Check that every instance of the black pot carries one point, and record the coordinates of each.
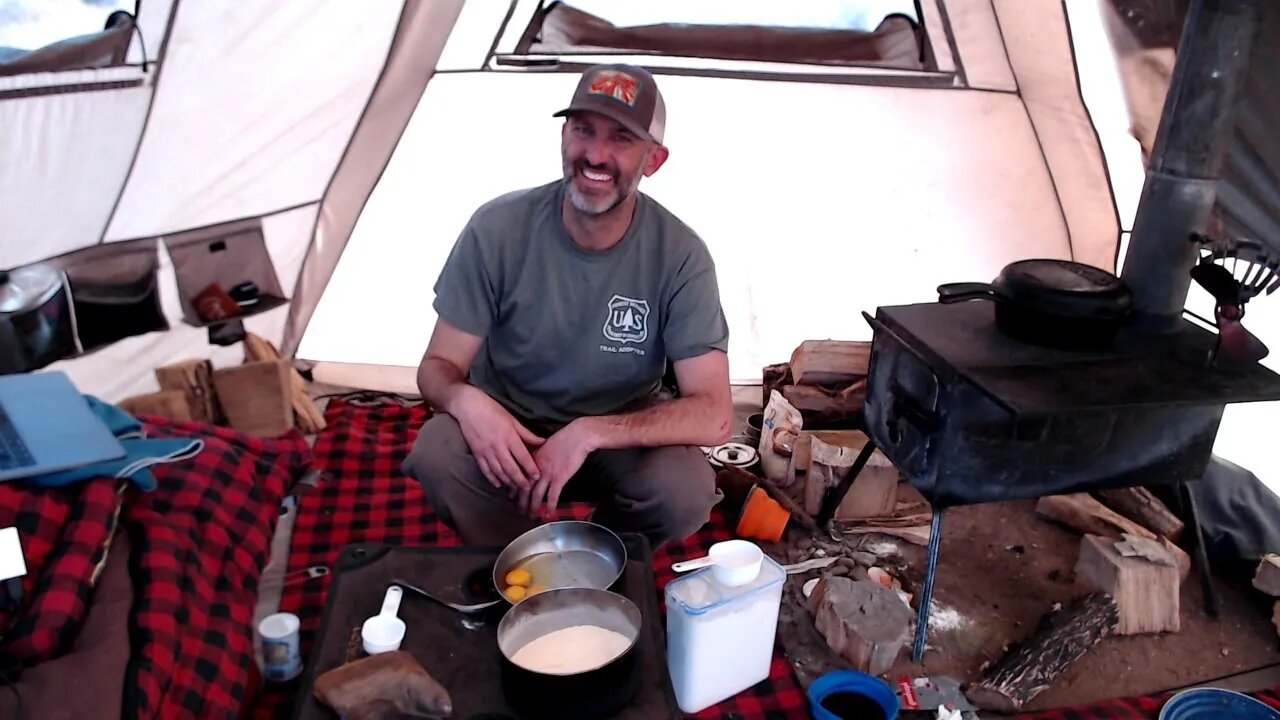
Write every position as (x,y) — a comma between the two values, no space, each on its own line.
(1052,303)
(592,694)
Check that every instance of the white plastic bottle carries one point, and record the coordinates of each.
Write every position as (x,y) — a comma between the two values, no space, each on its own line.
(720,639)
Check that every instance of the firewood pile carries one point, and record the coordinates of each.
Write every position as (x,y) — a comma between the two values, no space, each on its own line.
(826,380)
(265,396)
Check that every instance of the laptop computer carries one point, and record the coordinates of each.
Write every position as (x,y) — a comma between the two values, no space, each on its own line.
(46,425)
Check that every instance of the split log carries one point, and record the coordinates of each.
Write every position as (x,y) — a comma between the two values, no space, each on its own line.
(822,407)
(829,464)
(830,362)
(1146,593)
(1060,639)
(194,378)
(1141,506)
(1085,514)
(1267,576)
(308,417)
(256,397)
(866,623)
(874,493)
(1082,512)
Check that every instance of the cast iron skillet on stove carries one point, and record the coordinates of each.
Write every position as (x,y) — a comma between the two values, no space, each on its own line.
(1052,303)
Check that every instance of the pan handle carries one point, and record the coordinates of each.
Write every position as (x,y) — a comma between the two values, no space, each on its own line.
(959,292)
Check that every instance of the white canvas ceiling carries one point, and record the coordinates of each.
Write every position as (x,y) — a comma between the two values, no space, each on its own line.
(817,202)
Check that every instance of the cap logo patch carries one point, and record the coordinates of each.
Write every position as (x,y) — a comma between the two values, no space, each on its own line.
(617,85)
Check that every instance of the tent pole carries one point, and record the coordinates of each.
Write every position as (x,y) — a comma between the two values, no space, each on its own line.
(1196,130)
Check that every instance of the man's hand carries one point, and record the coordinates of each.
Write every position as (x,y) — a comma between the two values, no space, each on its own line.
(498,441)
(558,460)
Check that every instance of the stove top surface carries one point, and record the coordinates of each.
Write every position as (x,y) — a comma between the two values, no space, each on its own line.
(1142,370)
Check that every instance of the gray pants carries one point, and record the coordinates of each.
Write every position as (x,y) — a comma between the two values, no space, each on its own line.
(663,493)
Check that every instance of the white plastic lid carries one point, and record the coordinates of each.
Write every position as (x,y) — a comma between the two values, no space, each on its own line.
(698,593)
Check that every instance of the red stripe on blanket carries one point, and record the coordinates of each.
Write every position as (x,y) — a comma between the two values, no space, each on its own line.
(202,538)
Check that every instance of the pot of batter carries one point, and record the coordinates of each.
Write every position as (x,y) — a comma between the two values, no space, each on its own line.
(570,654)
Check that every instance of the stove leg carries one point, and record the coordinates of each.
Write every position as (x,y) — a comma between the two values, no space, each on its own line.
(1202,556)
(926,595)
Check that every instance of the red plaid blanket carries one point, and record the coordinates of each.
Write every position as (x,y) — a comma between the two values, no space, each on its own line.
(200,541)
(365,498)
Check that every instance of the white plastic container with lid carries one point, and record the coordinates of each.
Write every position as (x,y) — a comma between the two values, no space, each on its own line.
(719,638)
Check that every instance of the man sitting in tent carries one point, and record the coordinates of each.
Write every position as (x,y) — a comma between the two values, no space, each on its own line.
(559,309)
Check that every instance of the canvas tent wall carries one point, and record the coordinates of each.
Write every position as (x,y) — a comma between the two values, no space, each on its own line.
(351,142)
(322,132)
(823,188)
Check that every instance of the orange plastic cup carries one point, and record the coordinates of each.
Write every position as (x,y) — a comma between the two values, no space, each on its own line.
(762,518)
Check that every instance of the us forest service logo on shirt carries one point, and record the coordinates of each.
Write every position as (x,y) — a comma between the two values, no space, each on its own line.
(627,322)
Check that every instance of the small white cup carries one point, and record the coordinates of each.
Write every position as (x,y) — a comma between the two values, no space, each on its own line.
(732,562)
(280,656)
(384,632)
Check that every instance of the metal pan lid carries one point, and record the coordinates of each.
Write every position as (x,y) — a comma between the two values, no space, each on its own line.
(28,288)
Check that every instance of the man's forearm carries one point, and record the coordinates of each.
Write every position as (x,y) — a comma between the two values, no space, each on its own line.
(698,420)
(439,382)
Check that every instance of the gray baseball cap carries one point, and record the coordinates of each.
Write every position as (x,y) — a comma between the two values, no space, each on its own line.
(625,93)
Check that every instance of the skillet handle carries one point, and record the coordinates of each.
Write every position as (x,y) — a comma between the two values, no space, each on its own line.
(959,292)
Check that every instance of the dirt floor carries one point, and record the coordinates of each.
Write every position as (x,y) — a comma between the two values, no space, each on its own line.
(1002,567)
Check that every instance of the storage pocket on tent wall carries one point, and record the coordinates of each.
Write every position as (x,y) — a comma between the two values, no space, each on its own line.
(115,291)
(37,327)
(224,273)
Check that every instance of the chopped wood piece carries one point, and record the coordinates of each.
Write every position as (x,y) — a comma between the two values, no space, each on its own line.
(308,417)
(874,492)
(1082,512)
(823,362)
(829,463)
(1134,546)
(195,379)
(1060,639)
(1267,576)
(821,407)
(171,404)
(864,622)
(1141,506)
(1146,593)
(256,397)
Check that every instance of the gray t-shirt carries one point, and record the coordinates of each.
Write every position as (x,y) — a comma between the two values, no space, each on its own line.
(570,332)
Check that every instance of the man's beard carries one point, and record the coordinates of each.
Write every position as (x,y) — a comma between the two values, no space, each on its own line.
(595,206)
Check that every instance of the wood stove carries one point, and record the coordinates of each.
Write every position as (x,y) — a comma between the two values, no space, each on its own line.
(971,415)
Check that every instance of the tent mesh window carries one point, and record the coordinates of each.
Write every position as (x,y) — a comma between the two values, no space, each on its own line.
(838,32)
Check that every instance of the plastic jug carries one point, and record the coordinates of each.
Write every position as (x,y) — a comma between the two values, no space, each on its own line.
(720,638)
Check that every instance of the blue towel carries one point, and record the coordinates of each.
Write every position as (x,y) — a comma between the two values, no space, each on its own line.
(141,452)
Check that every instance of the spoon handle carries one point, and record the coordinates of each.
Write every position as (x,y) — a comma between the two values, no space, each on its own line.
(391,601)
(691,564)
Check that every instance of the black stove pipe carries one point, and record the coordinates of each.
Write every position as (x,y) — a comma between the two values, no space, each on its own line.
(1190,149)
